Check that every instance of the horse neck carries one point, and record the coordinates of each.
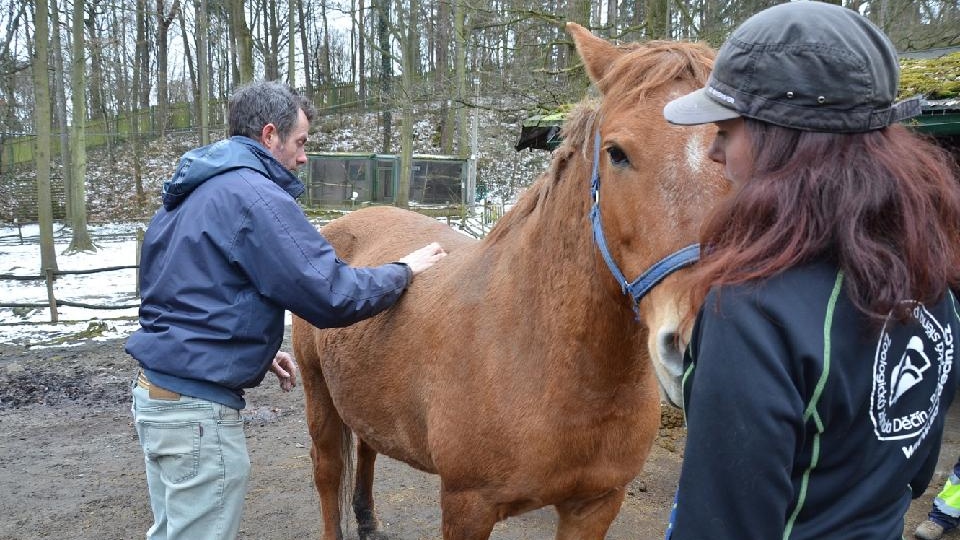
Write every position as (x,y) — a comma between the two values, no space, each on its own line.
(563,288)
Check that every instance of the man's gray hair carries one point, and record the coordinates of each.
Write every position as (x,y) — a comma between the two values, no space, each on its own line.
(257,104)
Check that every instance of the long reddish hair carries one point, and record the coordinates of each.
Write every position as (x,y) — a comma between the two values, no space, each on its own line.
(884,205)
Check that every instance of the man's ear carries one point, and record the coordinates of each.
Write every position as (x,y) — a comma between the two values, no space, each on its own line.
(269,136)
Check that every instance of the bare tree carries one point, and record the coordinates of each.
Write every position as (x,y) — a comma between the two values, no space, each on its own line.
(305,47)
(10,65)
(657,24)
(360,74)
(41,79)
(96,87)
(242,42)
(77,201)
(141,95)
(382,10)
(164,20)
(409,54)
(460,74)
(441,76)
(203,76)
(60,98)
(291,43)
(188,49)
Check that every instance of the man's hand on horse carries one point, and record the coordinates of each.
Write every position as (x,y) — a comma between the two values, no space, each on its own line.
(424,258)
(285,368)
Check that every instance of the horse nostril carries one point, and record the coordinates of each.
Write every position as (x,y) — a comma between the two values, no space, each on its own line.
(671,355)
(669,341)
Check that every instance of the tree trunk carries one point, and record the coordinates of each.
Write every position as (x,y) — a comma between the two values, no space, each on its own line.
(244,42)
(97,89)
(577,80)
(361,54)
(327,80)
(164,20)
(386,74)
(271,43)
(460,68)
(60,98)
(305,46)
(291,43)
(41,83)
(441,77)
(78,194)
(194,82)
(203,71)
(9,120)
(409,50)
(140,101)
(656,22)
(612,30)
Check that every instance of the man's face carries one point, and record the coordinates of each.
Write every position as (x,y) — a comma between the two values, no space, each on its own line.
(289,152)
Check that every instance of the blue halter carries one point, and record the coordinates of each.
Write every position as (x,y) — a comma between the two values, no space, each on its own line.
(652,276)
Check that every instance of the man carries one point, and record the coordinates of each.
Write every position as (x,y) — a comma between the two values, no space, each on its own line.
(222,260)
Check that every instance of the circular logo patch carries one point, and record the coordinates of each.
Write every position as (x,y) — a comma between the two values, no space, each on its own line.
(911,367)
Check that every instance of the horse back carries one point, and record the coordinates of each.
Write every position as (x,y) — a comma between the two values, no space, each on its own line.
(381,234)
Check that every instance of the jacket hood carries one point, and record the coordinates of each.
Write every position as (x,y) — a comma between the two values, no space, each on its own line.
(201,164)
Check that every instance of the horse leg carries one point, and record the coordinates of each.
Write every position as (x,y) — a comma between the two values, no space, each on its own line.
(589,520)
(367,523)
(465,515)
(329,451)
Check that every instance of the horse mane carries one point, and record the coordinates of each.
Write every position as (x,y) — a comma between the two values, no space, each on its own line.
(579,122)
(642,68)
(647,66)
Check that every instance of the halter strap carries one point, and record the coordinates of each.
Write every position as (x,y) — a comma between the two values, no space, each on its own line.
(647,280)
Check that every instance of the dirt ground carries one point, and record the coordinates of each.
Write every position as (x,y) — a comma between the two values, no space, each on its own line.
(70,465)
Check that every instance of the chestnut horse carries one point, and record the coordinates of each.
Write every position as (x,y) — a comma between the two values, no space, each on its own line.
(516,368)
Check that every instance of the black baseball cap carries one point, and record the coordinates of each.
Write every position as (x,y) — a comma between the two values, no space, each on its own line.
(804,65)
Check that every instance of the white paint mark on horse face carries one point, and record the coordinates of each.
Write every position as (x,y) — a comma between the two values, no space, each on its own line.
(695,153)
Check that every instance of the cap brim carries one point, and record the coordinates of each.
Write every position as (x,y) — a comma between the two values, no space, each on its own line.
(697,108)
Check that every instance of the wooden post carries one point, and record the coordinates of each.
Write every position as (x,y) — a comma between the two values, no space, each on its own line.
(137,262)
(54,317)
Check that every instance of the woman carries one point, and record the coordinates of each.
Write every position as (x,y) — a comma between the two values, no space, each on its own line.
(821,361)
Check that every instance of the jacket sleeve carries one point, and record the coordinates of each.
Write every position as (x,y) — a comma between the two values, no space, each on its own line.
(291,263)
(744,415)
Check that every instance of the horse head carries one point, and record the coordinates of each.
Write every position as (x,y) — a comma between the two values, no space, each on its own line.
(653,183)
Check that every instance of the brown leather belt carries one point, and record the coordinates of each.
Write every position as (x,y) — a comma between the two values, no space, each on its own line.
(154,391)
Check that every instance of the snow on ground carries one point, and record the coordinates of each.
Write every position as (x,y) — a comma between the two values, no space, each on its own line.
(20,256)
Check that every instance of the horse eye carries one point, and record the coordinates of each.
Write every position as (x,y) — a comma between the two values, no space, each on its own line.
(617,156)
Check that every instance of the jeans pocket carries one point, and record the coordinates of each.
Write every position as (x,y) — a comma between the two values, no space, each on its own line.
(227,415)
(175,447)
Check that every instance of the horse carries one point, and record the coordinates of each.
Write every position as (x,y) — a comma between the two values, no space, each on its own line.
(519,368)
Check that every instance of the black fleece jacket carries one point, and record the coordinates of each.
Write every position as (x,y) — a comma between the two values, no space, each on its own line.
(804,420)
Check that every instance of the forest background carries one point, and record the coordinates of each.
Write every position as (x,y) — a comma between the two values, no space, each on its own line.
(119,73)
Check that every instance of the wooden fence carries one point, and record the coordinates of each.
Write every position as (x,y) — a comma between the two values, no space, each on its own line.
(50,276)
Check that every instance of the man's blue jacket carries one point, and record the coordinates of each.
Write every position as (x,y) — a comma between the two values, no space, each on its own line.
(227,254)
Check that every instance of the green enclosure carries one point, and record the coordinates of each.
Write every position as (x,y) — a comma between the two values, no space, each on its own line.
(338,179)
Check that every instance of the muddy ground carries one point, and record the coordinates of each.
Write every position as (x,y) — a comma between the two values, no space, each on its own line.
(70,465)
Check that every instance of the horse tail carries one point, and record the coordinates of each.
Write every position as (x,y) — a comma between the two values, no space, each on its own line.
(346,475)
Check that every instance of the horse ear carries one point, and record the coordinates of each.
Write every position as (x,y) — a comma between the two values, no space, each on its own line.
(597,54)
